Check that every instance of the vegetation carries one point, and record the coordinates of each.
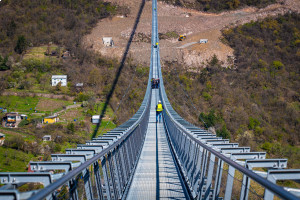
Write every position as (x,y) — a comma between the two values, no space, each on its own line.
(218,5)
(12,159)
(257,99)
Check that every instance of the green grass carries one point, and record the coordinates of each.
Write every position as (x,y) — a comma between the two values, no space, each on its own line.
(11,132)
(39,53)
(99,107)
(27,105)
(18,104)
(105,126)
(12,160)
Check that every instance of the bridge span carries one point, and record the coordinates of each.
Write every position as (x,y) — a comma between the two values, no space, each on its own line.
(142,159)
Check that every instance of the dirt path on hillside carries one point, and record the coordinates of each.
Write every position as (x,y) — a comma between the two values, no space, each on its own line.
(196,25)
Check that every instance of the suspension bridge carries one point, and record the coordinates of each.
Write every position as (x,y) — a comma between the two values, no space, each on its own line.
(142,159)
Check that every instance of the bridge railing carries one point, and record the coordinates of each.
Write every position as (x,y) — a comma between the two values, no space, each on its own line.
(214,168)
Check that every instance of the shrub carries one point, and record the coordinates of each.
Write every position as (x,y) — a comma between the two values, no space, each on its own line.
(206,96)
(210,119)
(71,128)
(253,123)
(267,146)
(3,63)
(24,123)
(82,97)
(21,45)
(224,133)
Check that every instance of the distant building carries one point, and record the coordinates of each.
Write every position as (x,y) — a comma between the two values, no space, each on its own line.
(59,78)
(66,54)
(50,119)
(79,84)
(108,41)
(95,119)
(47,138)
(2,139)
(202,41)
(11,120)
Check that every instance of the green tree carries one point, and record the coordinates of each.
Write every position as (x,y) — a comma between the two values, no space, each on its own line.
(21,44)
(224,133)
(214,60)
(71,128)
(3,63)
(253,123)
(210,119)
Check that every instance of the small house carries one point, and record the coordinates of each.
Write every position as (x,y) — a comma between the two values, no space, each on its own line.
(79,84)
(2,138)
(66,54)
(203,41)
(108,41)
(50,119)
(11,120)
(47,138)
(95,119)
(59,78)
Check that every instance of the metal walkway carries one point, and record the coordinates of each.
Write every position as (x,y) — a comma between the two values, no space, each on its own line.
(156,176)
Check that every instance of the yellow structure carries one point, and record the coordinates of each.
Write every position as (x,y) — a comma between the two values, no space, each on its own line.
(181,37)
(50,119)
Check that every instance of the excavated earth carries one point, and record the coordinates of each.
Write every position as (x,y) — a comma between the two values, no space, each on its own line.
(195,25)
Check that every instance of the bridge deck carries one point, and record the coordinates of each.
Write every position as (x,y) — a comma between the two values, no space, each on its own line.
(156,176)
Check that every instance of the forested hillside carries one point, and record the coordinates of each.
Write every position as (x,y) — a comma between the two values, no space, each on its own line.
(219,5)
(40,22)
(41,38)
(32,30)
(256,101)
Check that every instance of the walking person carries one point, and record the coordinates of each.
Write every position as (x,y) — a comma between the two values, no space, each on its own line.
(159,108)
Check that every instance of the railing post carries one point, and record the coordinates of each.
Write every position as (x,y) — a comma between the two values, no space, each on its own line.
(106,178)
(73,189)
(229,183)
(218,179)
(98,180)
(203,171)
(112,174)
(87,184)
(116,175)
(209,175)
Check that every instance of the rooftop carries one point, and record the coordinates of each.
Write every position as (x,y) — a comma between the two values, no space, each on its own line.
(59,76)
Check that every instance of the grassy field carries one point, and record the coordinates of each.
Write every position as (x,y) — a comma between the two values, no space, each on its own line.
(18,103)
(13,160)
(40,53)
(27,105)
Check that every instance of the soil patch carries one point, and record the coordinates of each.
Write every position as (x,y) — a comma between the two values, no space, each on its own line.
(49,105)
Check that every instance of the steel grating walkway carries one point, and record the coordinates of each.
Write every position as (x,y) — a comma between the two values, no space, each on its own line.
(156,175)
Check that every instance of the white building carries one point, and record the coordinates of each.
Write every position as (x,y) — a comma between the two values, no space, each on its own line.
(47,138)
(202,41)
(108,41)
(95,119)
(59,78)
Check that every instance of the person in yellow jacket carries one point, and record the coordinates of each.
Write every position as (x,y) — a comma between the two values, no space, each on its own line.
(159,108)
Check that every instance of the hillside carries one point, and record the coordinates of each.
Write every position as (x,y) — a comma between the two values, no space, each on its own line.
(255,101)
(217,5)
(174,21)
(35,36)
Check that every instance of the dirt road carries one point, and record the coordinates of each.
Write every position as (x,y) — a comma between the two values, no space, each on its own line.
(196,25)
